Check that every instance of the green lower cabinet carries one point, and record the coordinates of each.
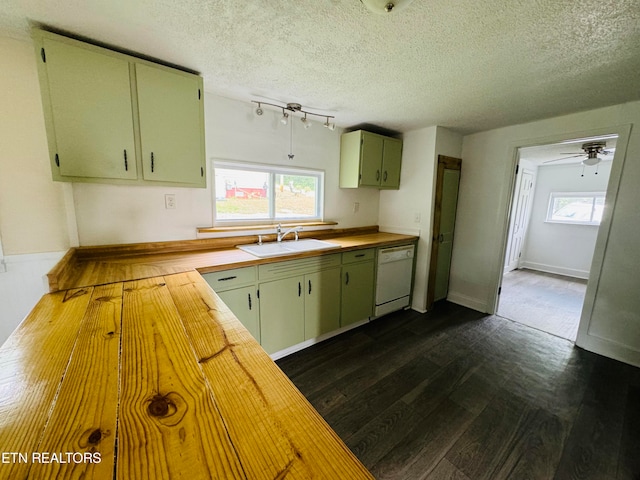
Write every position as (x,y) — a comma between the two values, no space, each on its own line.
(281,313)
(357,292)
(321,302)
(243,302)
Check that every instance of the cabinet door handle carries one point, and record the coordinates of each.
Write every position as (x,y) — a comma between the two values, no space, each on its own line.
(377,175)
(126,163)
(346,274)
(309,287)
(249,298)
(384,176)
(299,288)
(152,162)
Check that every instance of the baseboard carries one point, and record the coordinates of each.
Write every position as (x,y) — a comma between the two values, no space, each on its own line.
(609,349)
(469,302)
(567,272)
(307,343)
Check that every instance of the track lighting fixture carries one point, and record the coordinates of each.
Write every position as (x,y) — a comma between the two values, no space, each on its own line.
(285,117)
(291,108)
(330,126)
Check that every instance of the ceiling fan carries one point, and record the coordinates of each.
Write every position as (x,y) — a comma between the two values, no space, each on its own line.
(591,151)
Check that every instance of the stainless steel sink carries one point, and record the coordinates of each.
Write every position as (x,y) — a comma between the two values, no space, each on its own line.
(275,249)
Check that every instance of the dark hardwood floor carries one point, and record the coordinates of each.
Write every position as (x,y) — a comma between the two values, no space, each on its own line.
(455,394)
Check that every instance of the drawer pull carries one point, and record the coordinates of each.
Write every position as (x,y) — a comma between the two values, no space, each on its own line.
(360,255)
(227,278)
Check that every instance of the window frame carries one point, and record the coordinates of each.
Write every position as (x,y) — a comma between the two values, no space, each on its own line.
(553,196)
(272,170)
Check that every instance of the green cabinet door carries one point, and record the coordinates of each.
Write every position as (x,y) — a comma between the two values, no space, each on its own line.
(243,303)
(89,112)
(171,125)
(281,313)
(357,292)
(371,159)
(321,302)
(391,162)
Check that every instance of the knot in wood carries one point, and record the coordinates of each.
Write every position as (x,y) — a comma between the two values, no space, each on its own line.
(159,406)
(95,437)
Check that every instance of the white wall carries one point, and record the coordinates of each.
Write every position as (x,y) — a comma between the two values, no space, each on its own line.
(33,221)
(399,209)
(557,247)
(611,322)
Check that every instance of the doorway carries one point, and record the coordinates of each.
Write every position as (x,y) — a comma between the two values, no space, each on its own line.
(556,208)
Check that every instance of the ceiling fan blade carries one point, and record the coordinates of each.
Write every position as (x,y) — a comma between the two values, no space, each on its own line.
(564,158)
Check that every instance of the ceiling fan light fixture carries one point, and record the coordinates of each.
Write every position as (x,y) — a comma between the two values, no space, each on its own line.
(385,6)
(591,160)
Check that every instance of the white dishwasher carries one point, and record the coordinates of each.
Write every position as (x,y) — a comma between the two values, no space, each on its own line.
(393,282)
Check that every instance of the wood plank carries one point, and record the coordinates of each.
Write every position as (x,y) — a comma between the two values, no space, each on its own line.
(510,439)
(169,425)
(445,470)
(424,445)
(275,430)
(83,421)
(33,361)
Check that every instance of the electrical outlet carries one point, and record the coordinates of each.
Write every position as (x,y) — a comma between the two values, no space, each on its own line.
(356,207)
(170,201)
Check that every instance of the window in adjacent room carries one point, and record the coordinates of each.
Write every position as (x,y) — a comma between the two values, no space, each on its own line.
(250,193)
(576,208)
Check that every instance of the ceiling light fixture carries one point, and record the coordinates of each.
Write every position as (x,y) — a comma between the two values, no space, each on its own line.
(385,6)
(285,117)
(290,109)
(330,126)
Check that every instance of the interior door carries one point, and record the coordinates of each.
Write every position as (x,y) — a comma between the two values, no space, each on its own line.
(444,219)
(519,219)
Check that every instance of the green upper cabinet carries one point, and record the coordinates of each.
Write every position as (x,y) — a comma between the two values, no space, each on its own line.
(170,109)
(369,160)
(90,112)
(105,112)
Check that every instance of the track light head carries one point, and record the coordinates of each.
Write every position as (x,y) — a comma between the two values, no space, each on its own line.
(285,117)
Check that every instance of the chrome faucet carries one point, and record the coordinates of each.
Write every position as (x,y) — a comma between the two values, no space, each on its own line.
(281,235)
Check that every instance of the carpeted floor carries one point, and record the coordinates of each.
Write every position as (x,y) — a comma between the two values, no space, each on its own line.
(548,302)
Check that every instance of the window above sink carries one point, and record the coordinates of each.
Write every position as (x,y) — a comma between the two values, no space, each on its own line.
(250,194)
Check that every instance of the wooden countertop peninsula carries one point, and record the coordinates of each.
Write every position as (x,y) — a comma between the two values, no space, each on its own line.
(133,368)
(154,379)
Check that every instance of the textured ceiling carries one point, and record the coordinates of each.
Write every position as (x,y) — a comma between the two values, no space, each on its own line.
(468,65)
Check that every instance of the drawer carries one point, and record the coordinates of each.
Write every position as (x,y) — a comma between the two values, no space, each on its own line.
(359,255)
(228,279)
(289,268)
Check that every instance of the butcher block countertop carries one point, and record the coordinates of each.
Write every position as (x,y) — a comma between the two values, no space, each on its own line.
(89,266)
(133,368)
(154,379)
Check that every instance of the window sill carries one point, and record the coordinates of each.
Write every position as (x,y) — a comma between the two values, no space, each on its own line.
(240,228)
